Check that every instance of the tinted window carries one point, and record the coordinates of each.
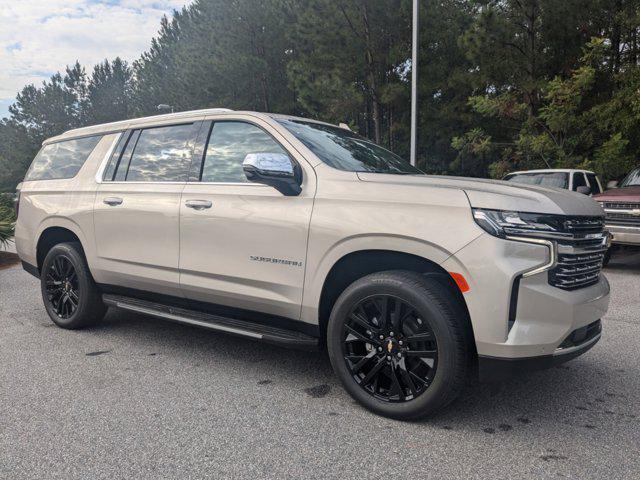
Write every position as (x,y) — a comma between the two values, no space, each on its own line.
(342,149)
(123,164)
(593,183)
(115,155)
(578,181)
(632,179)
(61,159)
(229,143)
(160,154)
(551,179)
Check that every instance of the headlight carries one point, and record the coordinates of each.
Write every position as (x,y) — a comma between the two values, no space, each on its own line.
(503,224)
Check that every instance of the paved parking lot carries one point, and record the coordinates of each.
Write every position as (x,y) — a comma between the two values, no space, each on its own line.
(140,398)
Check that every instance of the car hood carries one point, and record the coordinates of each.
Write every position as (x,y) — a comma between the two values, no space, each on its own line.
(500,195)
(623,194)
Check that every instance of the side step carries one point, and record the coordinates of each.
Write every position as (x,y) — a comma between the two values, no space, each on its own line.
(256,331)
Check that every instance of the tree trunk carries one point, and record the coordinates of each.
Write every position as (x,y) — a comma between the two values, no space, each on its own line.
(376,109)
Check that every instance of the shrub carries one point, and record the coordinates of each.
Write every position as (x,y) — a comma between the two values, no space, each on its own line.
(7,219)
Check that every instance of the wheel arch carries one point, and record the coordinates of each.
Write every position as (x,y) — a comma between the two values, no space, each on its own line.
(54,232)
(357,264)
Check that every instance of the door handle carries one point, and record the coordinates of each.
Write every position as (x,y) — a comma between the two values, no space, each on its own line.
(112,201)
(198,204)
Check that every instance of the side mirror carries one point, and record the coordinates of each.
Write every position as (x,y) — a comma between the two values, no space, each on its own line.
(274,169)
(612,184)
(583,189)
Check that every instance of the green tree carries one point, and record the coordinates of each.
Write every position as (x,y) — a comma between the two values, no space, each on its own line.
(109,92)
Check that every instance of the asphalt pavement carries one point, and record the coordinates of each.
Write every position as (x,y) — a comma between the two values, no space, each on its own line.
(137,398)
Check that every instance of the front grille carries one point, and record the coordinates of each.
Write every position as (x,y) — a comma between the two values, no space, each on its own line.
(576,271)
(626,214)
(580,254)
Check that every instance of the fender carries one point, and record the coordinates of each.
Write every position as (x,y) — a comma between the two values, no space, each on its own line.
(318,271)
(56,221)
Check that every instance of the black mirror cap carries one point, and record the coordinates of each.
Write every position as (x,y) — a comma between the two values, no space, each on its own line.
(288,186)
(583,189)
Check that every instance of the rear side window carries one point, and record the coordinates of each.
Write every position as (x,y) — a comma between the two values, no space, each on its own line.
(159,154)
(61,159)
(229,143)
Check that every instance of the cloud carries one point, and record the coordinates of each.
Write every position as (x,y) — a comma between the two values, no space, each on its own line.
(40,37)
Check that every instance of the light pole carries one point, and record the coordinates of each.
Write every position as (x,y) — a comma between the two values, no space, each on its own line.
(414,83)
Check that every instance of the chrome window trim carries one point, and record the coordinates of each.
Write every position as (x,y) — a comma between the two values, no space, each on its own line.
(145,183)
(233,184)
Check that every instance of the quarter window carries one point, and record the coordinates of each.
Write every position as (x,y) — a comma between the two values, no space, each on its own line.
(228,145)
(61,159)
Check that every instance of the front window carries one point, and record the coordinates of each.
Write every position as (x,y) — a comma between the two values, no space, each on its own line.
(550,179)
(631,180)
(342,149)
(228,145)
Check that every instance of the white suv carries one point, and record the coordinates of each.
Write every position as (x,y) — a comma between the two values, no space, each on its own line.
(304,234)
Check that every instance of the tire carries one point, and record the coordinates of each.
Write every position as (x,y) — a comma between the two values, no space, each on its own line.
(607,255)
(69,292)
(437,322)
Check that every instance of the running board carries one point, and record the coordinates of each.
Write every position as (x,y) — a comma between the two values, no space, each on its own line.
(256,331)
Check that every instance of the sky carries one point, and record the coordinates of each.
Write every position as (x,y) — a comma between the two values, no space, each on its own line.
(41,37)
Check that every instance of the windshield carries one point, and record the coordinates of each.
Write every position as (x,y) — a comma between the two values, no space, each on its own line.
(342,149)
(633,179)
(551,179)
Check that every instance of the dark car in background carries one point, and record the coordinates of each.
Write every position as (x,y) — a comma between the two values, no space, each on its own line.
(621,203)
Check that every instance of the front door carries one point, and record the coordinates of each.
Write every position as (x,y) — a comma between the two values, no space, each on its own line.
(243,244)
(137,208)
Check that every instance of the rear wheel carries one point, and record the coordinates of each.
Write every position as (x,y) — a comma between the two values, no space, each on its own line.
(70,295)
(397,342)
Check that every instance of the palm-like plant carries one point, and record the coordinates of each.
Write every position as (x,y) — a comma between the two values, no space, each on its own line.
(6,232)
(6,225)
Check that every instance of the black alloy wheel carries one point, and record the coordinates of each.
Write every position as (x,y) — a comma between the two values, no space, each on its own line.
(400,342)
(62,286)
(71,297)
(389,349)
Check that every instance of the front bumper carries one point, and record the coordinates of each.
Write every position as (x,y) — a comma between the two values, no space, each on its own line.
(521,318)
(624,235)
(497,369)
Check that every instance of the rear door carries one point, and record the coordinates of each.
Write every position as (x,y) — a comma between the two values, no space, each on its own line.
(137,207)
(243,244)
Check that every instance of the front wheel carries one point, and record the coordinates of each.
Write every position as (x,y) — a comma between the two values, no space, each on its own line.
(397,341)
(70,295)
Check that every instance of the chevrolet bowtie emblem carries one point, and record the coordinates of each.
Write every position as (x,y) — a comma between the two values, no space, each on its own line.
(389,346)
